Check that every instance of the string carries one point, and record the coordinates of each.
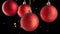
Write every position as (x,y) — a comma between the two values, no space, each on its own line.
(24,1)
(29,2)
(16,0)
(48,0)
(30,5)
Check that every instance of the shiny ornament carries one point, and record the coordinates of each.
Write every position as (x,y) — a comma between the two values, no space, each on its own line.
(23,9)
(29,22)
(9,8)
(48,13)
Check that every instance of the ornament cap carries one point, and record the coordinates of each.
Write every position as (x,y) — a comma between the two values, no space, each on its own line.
(24,2)
(48,3)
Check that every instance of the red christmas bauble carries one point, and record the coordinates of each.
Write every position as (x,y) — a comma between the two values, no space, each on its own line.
(9,8)
(48,13)
(23,9)
(29,22)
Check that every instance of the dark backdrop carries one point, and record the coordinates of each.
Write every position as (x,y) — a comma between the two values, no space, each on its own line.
(7,23)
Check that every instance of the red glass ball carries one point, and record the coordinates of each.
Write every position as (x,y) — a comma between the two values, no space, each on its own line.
(29,22)
(23,9)
(48,13)
(9,8)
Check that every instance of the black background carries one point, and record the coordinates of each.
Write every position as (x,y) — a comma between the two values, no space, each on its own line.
(7,23)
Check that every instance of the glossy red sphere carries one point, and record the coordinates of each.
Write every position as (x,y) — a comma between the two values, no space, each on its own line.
(48,13)
(29,22)
(9,8)
(23,9)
